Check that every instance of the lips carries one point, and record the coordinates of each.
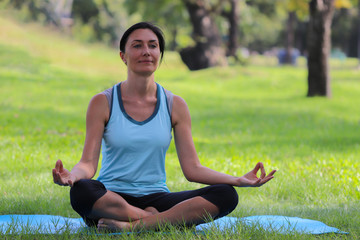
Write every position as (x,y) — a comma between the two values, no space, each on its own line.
(145,61)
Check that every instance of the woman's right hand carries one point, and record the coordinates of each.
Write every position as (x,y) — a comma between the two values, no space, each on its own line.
(62,176)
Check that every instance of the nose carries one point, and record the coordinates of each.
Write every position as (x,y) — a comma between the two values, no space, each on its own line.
(146,51)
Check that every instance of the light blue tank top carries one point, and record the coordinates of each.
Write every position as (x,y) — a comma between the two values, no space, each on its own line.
(134,152)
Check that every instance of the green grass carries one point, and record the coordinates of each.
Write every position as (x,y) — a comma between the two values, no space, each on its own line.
(241,115)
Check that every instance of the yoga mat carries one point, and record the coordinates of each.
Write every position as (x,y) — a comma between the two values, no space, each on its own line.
(43,224)
(49,224)
(271,223)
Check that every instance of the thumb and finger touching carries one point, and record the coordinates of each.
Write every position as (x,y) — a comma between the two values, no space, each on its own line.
(263,177)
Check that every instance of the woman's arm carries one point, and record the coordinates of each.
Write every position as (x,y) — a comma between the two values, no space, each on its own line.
(96,118)
(189,161)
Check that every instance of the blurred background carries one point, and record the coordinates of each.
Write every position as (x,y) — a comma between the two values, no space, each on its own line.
(209,33)
(241,27)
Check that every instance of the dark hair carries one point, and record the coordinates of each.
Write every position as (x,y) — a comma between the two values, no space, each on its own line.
(144,25)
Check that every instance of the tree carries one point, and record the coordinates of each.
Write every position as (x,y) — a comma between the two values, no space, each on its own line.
(98,20)
(100,23)
(319,45)
(203,16)
(294,10)
(290,37)
(259,24)
(208,50)
(51,11)
(167,13)
(232,16)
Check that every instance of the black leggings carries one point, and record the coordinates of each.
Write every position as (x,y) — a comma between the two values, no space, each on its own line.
(86,192)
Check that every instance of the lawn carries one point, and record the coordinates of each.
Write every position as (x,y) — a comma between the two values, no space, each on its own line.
(240,115)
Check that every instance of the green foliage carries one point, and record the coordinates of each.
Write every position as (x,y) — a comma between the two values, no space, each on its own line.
(259,31)
(170,14)
(241,115)
(344,28)
(98,20)
(94,20)
(261,22)
(343,3)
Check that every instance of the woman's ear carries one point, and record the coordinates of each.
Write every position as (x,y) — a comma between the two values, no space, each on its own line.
(122,56)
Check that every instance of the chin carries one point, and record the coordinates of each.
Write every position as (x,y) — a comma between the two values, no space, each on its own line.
(145,72)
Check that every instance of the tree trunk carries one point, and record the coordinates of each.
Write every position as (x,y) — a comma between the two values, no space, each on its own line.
(208,50)
(232,16)
(290,38)
(319,45)
(173,43)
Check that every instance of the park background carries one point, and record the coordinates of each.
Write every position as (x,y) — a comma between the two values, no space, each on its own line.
(250,109)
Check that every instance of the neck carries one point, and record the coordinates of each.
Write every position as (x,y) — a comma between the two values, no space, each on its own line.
(139,85)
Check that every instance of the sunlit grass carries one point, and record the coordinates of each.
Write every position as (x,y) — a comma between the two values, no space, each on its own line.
(241,115)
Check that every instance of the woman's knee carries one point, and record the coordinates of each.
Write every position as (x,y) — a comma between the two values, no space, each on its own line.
(84,194)
(226,198)
(230,196)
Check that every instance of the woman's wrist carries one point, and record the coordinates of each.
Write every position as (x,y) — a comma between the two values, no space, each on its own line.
(240,182)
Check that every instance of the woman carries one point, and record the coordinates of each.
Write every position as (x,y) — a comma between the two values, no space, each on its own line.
(133,125)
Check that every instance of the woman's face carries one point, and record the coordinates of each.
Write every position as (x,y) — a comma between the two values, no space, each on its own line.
(142,52)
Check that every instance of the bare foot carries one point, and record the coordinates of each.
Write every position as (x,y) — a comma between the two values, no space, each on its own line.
(105,224)
(152,210)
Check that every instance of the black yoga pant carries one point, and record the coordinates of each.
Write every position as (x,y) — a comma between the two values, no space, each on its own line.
(86,192)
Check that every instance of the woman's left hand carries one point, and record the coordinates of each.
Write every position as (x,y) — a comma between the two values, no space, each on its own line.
(251,180)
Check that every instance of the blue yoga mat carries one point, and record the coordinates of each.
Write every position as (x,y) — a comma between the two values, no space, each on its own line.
(43,224)
(49,224)
(271,223)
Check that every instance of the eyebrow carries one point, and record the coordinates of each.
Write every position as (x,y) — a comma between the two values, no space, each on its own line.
(136,40)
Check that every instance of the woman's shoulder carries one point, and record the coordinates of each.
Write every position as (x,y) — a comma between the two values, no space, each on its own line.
(99,101)
(99,98)
(180,111)
(179,101)
(98,107)
(108,93)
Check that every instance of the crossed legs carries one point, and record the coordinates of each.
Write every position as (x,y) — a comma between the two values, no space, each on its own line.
(105,209)
(113,206)
(116,214)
